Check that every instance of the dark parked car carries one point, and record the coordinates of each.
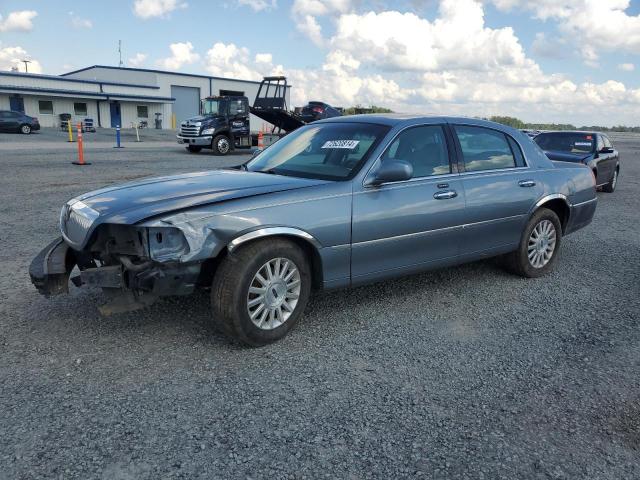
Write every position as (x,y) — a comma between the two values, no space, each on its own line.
(590,148)
(336,203)
(317,111)
(11,121)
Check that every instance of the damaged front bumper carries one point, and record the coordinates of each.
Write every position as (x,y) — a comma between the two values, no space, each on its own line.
(129,285)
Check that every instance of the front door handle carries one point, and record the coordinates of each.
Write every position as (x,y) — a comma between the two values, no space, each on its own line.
(445,195)
(527,183)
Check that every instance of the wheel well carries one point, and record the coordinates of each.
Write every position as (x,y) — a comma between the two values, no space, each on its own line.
(560,208)
(209,266)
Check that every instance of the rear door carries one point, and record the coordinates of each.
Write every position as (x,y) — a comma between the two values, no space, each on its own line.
(10,121)
(500,190)
(409,225)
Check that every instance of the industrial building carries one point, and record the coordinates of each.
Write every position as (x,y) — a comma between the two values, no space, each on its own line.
(117,96)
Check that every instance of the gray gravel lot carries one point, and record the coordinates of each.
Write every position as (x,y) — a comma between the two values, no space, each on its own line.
(467,372)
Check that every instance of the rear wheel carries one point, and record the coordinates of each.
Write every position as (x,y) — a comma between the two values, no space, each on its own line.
(194,148)
(611,186)
(260,291)
(221,145)
(538,247)
(25,129)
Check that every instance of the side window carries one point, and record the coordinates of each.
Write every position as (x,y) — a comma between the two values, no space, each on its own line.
(607,142)
(237,107)
(600,143)
(517,152)
(425,148)
(484,149)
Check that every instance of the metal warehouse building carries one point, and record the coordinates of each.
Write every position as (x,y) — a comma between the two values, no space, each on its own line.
(114,96)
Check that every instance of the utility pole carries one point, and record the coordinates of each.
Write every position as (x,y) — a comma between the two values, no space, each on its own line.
(26,65)
(120,64)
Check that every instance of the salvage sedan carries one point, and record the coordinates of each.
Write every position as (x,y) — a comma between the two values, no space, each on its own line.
(591,148)
(341,202)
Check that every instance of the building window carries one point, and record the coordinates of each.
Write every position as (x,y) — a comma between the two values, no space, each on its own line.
(80,108)
(143,111)
(45,107)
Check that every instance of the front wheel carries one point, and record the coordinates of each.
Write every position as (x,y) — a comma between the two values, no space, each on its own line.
(25,129)
(538,247)
(260,291)
(194,148)
(221,145)
(611,186)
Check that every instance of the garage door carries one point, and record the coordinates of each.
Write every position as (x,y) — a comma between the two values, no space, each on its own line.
(187,102)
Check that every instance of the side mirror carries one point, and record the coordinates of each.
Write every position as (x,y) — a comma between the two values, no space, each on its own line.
(606,150)
(390,171)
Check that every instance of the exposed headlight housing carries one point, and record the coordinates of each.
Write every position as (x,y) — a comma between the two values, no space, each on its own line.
(166,243)
(208,131)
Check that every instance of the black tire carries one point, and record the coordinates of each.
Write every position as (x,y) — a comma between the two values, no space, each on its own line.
(221,145)
(611,186)
(518,261)
(194,148)
(25,129)
(234,277)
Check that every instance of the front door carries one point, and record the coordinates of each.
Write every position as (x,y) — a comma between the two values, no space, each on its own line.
(411,225)
(116,120)
(500,190)
(239,117)
(16,104)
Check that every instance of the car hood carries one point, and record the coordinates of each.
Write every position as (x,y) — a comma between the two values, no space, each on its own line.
(136,201)
(567,157)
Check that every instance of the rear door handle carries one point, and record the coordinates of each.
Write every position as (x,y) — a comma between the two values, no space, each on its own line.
(445,195)
(527,183)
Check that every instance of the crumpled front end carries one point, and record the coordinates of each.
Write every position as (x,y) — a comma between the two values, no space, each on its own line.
(134,265)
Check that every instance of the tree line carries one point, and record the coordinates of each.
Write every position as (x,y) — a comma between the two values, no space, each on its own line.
(517,123)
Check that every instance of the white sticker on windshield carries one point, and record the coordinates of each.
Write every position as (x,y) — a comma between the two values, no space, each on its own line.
(348,144)
(582,144)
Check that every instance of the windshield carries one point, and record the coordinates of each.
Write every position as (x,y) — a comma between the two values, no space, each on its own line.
(212,107)
(329,151)
(566,142)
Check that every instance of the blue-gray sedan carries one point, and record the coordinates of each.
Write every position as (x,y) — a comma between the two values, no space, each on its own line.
(337,203)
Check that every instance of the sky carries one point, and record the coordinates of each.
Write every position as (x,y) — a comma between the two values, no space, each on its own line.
(563,61)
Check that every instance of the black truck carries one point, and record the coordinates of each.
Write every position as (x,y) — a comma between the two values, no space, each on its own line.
(223,124)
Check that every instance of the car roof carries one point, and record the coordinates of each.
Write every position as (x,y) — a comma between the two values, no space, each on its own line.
(580,132)
(393,119)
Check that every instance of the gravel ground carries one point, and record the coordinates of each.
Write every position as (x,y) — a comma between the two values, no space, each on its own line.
(467,372)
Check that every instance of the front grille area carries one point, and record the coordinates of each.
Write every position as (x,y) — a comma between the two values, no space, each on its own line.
(189,131)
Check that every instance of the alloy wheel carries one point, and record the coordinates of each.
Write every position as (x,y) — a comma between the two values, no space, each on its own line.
(273,293)
(223,145)
(542,244)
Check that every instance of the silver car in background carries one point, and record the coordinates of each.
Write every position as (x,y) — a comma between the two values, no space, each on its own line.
(341,202)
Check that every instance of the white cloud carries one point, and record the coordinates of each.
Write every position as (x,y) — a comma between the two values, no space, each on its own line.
(156,8)
(594,24)
(13,56)
(306,12)
(259,5)
(138,59)
(79,22)
(21,21)
(229,60)
(181,54)
(627,67)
